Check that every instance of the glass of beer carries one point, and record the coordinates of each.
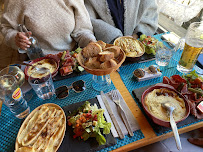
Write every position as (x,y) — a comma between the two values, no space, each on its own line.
(193,47)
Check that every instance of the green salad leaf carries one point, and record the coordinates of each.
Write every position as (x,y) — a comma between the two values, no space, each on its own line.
(88,121)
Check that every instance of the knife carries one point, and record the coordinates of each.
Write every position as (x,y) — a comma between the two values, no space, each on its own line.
(120,133)
(116,100)
(125,119)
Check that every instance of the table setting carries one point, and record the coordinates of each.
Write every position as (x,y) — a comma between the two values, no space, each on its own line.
(109,96)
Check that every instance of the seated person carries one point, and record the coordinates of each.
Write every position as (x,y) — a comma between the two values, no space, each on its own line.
(115,18)
(58,25)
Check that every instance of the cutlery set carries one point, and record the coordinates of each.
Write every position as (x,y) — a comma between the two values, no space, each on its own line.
(116,99)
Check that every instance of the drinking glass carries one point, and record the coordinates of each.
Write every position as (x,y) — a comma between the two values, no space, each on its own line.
(163,54)
(16,72)
(101,83)
(12,96)
(193,47)
(43,86)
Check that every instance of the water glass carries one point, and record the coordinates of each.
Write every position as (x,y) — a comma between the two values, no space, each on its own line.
(12,96)
(163,55)
(43,86)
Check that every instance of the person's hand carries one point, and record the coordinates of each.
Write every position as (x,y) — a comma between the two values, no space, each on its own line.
(22,41)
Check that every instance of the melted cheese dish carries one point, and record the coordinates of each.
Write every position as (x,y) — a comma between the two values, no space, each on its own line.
(47,63)
(154,99)
(130,45)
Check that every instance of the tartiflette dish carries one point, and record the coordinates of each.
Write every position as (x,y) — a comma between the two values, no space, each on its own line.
(155,98)
(47,63)
(131,46)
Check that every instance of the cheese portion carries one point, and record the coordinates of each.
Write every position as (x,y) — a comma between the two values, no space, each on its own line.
(47,63)
(154,99)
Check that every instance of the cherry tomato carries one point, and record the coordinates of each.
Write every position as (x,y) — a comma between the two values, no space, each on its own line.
(74,55)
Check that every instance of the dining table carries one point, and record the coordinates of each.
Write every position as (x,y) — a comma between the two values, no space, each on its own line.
(122,80)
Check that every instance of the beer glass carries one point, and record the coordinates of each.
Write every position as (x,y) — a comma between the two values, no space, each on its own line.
(193,47)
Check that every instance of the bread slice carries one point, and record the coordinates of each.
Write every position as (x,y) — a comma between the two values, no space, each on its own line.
(108,64)
(105,56)
(93,63)
(102,44)
(115,49)
(91,50)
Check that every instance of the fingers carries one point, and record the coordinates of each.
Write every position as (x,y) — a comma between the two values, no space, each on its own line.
(196,141)
(22,40)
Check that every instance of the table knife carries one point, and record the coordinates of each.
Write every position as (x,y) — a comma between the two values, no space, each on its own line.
(125,119)
(120,133)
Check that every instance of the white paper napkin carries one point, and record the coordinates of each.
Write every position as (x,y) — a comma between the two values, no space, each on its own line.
(131,118)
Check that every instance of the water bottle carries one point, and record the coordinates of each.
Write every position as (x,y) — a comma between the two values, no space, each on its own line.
(34,51)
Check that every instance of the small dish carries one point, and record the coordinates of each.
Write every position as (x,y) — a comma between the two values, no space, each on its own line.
(154,118)
(129,55)
(53,61)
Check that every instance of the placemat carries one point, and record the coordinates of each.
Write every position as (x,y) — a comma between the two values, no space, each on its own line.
(70,144)
(10,125)
(159,130)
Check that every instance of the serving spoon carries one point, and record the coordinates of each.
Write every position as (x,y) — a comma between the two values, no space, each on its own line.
(170,109)
(42,69)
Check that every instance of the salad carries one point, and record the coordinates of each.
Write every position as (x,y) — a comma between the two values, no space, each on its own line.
(88,121)
(149,43)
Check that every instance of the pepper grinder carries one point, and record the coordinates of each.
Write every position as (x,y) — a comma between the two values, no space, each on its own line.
(34,51)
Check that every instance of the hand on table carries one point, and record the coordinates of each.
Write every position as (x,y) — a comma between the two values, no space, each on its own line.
(22,40)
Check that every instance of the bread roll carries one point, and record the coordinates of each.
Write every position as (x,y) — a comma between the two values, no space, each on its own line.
(102,44)
(93,63)
(115,49)
(91,50)
(108,64)
(106,56)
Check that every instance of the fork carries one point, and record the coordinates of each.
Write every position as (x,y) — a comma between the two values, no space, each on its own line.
(116,100)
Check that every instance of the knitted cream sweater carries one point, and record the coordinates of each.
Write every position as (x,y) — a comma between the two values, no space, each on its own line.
(57,24)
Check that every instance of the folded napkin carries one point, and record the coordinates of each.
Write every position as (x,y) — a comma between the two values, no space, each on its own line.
(130,116)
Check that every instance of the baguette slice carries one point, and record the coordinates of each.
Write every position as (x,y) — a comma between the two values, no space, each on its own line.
(106,56)
(91,50)
(115,49)
(102,44)
(108,64)
(93,63)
